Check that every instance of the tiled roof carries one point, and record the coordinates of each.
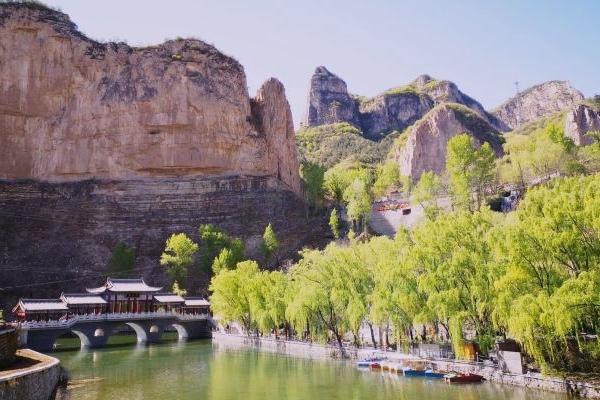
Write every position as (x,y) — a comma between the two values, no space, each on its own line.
(43,305)
(124,285)
(196,301)
(82,298)
(168,298)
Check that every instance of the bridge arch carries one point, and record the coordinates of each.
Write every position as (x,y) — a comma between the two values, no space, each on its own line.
(182,333)
(83,338)
(140,332)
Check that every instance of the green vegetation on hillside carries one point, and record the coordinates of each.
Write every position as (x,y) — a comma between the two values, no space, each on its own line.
(539,152)
(328,145)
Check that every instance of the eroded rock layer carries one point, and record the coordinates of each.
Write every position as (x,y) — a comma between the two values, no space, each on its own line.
(66,231)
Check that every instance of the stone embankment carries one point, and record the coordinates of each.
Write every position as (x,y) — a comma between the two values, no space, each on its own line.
(34,376)
(489,372)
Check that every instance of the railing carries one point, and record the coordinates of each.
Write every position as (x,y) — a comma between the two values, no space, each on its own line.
(66,323)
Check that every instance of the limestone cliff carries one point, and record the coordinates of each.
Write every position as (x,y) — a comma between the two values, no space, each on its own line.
(536,102)
(579,121)
(72,108)
(424,147)
(397,108)
(103,143)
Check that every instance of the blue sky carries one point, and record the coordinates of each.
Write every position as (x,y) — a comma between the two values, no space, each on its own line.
(483,46)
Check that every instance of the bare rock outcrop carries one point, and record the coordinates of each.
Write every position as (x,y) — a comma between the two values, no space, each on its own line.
(393,110)
(579,121)
(426,141)
(536,102)
(72,108)
(329,101)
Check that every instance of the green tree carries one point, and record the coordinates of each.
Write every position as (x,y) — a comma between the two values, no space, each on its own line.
(312,176)
(359,202)
(270,243)
(471,170)
(338,178)
(232,294)
(458,269)
(426,193)
(334,223)
(388,177)
(548,295)
(213,241)
(121,261)
(178,290)
(178,256)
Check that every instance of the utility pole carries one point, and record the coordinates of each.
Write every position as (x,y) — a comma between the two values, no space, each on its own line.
(518,105)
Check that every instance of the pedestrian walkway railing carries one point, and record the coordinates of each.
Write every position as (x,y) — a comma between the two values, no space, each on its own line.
(70,321)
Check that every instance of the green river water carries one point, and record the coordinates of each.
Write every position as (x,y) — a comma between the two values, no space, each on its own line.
(196,370)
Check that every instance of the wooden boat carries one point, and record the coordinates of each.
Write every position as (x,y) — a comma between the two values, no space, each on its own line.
(407,371)
(429,373)
(463,378)
(375,365)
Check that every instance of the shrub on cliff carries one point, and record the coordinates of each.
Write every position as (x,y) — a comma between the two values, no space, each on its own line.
(121,261)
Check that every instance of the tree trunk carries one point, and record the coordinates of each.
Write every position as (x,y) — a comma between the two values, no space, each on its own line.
(372,335)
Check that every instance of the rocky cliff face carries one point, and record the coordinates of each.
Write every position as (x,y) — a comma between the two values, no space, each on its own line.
(536,102)
(396,109)
(102,143)
(74,109)
(426,141)
(329,101)
(579,121)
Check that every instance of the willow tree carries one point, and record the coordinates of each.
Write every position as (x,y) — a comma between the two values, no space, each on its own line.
(457,271)
(547,297)
(322,300)
(232,294)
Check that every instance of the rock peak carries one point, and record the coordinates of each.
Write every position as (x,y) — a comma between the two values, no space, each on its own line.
(422,80)
(538,101)
(329,101)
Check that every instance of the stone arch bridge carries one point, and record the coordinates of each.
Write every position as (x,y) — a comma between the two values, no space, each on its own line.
(94,330)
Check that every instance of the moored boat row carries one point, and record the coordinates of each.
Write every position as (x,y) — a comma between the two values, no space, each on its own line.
(382,364)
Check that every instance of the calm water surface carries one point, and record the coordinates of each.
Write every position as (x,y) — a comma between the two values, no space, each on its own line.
(196,370)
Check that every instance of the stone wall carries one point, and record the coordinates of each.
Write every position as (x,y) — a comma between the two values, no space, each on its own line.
(287,347)
(38,382)
(8,346)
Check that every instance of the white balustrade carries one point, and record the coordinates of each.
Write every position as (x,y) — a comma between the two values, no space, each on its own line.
(65,323)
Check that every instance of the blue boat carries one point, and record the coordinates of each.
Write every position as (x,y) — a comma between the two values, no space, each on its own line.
(412,372)
(433,375)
